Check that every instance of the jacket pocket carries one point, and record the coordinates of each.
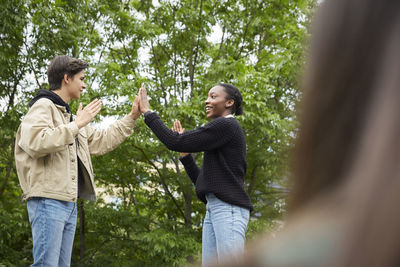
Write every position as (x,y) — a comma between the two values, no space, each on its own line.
(58,172)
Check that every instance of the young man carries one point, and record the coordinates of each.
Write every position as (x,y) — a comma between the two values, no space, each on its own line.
(52,155)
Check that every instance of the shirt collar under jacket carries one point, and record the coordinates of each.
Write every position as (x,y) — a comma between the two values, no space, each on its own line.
(229,116)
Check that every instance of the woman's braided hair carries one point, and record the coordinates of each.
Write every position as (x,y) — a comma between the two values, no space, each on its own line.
(234,93)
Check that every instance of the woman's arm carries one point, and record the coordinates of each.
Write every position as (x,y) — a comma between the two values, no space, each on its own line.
(209,137)
(103,141)
(205,138)
(191,167)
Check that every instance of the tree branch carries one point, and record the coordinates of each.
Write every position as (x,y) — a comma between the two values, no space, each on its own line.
(162,180)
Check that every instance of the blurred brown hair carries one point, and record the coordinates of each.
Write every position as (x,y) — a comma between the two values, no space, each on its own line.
(348,141)
(346,161)
(372,188)
(347,55)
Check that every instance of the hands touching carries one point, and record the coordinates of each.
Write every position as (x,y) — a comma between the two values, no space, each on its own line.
(178,128)
(85,115)
(140,104)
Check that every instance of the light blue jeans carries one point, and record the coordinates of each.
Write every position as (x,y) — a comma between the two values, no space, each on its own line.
(53,225)
(224,231)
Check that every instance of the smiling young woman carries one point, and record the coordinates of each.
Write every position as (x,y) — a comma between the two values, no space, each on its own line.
(218,104)
(220,181)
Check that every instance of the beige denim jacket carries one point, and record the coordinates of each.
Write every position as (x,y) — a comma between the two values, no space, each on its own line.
(46,152)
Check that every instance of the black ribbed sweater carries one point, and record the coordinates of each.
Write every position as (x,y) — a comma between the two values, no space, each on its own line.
(224,159)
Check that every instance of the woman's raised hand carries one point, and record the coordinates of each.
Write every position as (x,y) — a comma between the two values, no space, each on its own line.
(178,128)
(144,101)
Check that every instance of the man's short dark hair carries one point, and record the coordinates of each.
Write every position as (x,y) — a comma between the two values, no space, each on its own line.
(62,65)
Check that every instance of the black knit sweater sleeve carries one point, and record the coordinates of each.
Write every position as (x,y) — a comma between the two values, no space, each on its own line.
(191,167)
(205,138)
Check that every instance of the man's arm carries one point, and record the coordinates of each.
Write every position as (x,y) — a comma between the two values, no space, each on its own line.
(39,135)
(103,141)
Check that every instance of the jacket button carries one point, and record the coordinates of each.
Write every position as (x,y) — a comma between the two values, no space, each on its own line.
(73,160)
(73,177)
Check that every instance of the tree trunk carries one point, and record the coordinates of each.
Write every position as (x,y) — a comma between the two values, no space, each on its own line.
(252,180)
(81,212)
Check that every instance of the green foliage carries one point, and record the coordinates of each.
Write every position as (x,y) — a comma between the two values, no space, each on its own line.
(118,236)
(15,237)
(148,213)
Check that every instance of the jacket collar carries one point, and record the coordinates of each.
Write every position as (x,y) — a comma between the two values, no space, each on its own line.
(56,99)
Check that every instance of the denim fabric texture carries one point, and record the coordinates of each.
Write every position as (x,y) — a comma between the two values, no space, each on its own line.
(224,230)
(53,225)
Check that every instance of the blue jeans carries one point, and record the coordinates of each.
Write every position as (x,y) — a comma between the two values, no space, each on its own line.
(53,225)
(224,230)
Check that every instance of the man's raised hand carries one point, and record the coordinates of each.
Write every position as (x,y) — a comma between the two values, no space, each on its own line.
(135,112)
(86,115)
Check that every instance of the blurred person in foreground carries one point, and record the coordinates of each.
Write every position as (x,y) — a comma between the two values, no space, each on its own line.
(343,206)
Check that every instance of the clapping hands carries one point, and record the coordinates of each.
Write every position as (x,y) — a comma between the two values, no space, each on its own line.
(140,104)
(85,115)
(135,112)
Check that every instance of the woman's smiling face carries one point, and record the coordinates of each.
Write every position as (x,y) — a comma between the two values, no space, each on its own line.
(216,103)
